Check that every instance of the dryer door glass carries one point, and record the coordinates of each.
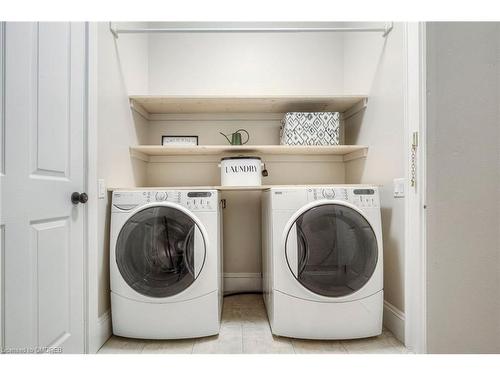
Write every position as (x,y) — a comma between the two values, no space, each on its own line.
(332,250)
(160,251)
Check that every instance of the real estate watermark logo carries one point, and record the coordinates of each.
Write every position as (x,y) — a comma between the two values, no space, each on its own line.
(33,350)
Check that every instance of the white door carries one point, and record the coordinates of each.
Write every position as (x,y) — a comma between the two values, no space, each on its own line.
(42,231)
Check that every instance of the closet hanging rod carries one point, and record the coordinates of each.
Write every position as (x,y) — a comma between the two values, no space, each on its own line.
(384,30)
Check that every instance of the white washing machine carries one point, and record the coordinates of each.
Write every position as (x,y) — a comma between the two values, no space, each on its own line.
(166,263)
(323,261)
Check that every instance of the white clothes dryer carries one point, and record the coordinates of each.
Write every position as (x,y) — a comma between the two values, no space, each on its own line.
(165,263)
(323,261)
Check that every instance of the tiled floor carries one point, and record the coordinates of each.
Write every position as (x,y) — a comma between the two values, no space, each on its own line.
(245,329)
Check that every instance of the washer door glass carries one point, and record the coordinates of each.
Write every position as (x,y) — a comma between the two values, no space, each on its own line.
(160,251)
(331,250)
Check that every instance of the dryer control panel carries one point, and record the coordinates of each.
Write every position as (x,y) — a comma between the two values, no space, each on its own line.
(364,197)
(199,200)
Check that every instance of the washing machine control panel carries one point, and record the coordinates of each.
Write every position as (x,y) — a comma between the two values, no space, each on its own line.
(127,200)
(161,196)
(364,197)
(153,196)
(192,200)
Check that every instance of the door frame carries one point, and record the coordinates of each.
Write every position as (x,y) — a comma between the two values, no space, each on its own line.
(415,218)
(93,340)
(2,171)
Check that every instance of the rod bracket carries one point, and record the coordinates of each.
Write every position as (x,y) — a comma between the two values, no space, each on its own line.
(388,28)
(113,30)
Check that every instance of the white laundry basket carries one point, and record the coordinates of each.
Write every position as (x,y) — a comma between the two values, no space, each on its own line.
(241,171)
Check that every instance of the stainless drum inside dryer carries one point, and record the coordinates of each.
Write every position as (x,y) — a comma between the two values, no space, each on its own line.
(332,250)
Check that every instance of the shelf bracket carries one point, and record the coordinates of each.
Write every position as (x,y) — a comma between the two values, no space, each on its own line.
(387,29)
(135,106)
(139,155)
(113,30)
(358,107)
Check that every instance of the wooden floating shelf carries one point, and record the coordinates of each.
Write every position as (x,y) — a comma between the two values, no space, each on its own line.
(158,104)
(349,152)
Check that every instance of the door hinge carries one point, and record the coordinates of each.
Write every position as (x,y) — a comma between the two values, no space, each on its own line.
(413,160)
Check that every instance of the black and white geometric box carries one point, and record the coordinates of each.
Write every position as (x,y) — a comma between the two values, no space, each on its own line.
(310,129)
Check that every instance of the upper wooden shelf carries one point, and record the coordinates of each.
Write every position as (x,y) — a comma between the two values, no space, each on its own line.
(156,104)
(348,152)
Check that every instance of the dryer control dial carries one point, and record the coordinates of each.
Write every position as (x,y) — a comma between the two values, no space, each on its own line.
(161,196)
(328,193)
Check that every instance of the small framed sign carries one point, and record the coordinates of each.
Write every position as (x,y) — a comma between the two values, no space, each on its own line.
(179,140)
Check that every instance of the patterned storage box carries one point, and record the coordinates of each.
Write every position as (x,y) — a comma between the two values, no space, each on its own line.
(310,129)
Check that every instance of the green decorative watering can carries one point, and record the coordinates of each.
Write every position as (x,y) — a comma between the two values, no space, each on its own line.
(236,138)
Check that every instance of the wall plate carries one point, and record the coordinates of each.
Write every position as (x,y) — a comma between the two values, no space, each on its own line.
(101,189)
(399,188)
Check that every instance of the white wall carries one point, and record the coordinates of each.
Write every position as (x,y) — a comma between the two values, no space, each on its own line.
(132,57)
(463,188)
(245,63)
(121,67)
(376,65)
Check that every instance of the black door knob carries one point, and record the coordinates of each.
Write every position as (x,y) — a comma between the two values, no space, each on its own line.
(77,197)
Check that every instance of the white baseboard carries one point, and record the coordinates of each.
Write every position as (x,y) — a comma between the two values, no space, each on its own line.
(242,282)
(103,332)
(394,321)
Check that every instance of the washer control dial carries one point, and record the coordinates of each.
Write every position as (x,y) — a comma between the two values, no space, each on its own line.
(161,196)
(328,193)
